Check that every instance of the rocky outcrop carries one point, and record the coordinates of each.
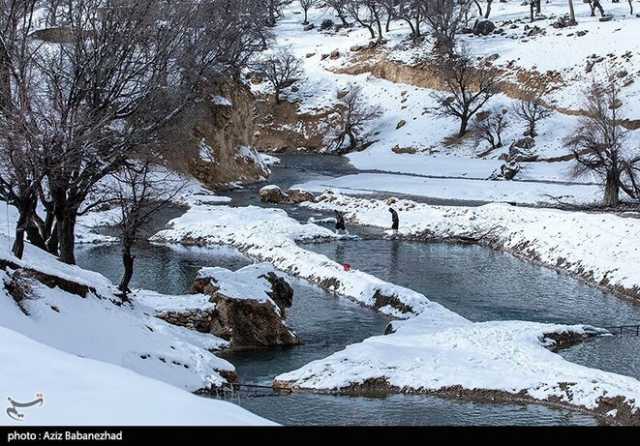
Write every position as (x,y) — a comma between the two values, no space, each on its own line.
(214,138)
(250,306)
(273,194)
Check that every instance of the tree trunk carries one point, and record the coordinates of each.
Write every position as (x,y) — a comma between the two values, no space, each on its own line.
(572,12)
(464,122)
(488,11)
(612,189)
(26,209)
(127,262)
(66,237)
(52,241)
(306,17)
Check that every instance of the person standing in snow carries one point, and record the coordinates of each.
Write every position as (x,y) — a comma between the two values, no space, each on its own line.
(341,228)
(395,220)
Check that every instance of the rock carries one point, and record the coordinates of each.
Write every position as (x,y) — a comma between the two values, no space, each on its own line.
(606,18)
(483,27)
(250,306)
(309,27)
(335,54)
(401,124)
(357,48)
(404,150)
(272,194)
(324,56)
(563,22)
(510,170)
(296,196)
(310,55)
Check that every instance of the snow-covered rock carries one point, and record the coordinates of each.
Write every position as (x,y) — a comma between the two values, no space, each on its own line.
(249,306)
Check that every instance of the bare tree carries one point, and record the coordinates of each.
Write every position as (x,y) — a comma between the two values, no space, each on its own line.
(21,170)
(306,5)
(339,7)
(282,70)
(139,190)
(413,12)
(117,75)
(354,114)
(446,18)
(595,4)
(467,89)
(368,14)
(598,142)
(572,13)
(490,125)
(531,110)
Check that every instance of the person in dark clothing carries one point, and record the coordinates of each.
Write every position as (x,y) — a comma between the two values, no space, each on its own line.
(395,220)
(340,225)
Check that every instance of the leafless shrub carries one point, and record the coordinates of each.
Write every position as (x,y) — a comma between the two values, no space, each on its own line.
(354,114)
(467,89)
(490,125)
(282,70)
(598,143)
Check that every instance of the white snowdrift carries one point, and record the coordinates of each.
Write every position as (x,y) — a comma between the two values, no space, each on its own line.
(84,392)
(95,327)
(270,235)
(531,193)
(601,248)
(242,284)
(427,355)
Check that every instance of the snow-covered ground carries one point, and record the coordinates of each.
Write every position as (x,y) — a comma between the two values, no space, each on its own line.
(99,362)
(84,392)
(564,51)
(270,235)
(530,193)
(458,357)
(95,327)
(601,248)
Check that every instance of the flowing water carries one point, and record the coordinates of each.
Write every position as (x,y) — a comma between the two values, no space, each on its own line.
(476,282)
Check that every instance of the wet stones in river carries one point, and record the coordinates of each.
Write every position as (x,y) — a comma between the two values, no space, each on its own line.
(250,306)
(274,194)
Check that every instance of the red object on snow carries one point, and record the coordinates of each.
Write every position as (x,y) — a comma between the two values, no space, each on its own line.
(347,267)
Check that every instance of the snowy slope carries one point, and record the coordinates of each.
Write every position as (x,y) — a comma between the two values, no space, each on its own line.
(565,51)
(85,392)
(95,327)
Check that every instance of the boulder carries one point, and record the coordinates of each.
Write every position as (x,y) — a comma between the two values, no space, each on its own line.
(401,124)
(309,27)
(483,27)
(299,196)
(335,54)
(250,306)
(272,194)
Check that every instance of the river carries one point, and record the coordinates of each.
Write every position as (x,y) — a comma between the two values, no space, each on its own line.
(476,282)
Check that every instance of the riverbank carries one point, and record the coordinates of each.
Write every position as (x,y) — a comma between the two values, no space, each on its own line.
(601,249)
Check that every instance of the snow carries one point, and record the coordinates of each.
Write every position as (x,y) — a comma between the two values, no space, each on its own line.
(601,248)
(270,235)
(247,283)
(95,327)
(558,51)
(222,101)
(531,193)
(84,392)
(502,356)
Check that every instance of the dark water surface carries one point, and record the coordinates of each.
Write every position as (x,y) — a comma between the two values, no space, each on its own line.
(476,282)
